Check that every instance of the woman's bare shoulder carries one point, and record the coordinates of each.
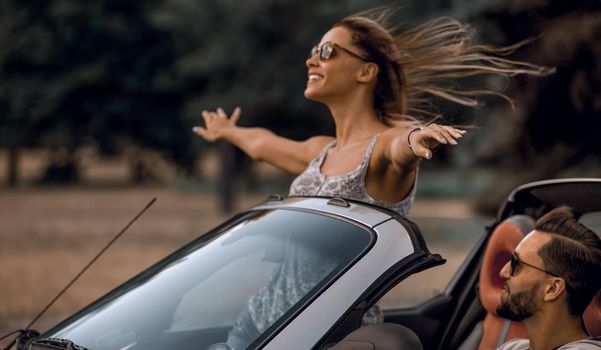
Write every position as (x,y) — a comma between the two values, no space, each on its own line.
(313,145)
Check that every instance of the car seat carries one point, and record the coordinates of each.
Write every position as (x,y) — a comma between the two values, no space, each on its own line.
(383,336)
(503,240)
(592,316)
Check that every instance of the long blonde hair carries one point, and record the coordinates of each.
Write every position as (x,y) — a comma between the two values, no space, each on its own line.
(422,62)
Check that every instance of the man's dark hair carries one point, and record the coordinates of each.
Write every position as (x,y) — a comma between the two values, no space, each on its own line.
(573,253)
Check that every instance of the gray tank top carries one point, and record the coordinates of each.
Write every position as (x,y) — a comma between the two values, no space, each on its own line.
(351,185)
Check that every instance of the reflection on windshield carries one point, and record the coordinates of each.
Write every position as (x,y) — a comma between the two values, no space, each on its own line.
(231,286)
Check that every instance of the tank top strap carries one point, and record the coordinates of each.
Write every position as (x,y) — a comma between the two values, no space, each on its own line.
(367,157)
(317,162)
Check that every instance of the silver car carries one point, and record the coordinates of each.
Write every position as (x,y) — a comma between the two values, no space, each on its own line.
(301,273)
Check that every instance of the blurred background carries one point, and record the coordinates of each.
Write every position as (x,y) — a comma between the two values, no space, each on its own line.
(98,98)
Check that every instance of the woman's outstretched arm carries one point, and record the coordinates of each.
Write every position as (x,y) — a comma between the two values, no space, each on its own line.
(259,143)
(392,171)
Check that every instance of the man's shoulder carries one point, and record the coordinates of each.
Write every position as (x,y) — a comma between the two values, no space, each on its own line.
(515,344)
(585,344)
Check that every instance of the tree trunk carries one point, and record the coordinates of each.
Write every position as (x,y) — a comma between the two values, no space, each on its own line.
(13,166)
(226,177)
(62,168)
(137,171)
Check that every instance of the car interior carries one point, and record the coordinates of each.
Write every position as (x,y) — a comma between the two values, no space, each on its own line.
(385,336)
(493,330)
(465,318)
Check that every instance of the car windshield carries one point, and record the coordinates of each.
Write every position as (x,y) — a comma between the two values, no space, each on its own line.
(255,272)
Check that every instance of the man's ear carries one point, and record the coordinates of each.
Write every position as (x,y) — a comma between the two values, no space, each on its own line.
(369,72)
(554,288)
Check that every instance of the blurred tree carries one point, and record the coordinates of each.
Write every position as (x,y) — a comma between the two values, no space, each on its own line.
(126,75)
(119,74)
(555,127)
(74,73)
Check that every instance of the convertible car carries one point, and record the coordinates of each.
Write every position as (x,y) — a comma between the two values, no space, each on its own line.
(302,272)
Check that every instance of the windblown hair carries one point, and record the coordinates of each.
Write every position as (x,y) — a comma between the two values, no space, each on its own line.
(573,253)
(422,62)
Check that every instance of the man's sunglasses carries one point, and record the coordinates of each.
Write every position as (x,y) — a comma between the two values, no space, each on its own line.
(326,49)
(515,263)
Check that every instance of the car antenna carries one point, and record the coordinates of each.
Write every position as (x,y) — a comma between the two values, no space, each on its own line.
(26,331)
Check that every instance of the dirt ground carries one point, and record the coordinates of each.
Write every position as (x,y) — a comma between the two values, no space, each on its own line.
(48,234)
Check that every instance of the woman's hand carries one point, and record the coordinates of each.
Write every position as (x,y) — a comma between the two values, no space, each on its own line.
(216,124)
(422,140)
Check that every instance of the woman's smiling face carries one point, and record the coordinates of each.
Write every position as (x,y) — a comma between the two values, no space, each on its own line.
(335,77)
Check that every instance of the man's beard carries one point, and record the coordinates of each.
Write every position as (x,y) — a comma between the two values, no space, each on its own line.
(518,306)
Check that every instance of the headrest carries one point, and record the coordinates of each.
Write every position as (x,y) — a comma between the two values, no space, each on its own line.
(503,241)
(592,316)
(384,336)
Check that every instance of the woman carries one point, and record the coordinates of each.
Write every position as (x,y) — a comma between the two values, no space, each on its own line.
(375,83)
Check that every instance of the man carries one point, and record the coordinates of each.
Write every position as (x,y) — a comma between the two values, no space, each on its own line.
(553,275)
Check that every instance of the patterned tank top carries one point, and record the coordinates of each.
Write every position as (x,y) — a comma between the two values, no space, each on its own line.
(351,185)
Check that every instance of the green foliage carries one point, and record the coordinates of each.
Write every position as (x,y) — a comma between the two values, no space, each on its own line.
(113,74)
(118,74)
(75,73)
(558,117)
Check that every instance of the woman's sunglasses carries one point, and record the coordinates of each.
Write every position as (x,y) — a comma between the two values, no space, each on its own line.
(515,263)
(326,50)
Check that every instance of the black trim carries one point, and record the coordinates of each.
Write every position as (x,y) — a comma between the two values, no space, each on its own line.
(464,302)
(416,262)
(526,199)
(463,295)
(475,254)
(348,321)
(417,239)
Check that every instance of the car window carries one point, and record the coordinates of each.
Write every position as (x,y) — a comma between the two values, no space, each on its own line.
(453,239)
(264,265)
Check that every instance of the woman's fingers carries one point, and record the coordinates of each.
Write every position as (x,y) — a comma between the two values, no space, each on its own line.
(204,133)
(208,117)
(443,134)
(431,136)
(200,131)
(235,115)
(421,151)
(219,113)
(457,133)
(435,132)
(451,134)
(215,122)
